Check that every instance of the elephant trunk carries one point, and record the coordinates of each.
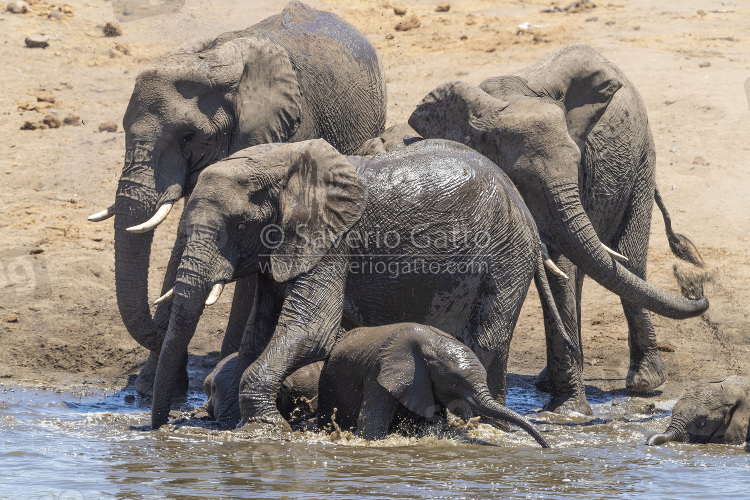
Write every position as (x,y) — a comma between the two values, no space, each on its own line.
(576,239)
(673,433)
(486,405)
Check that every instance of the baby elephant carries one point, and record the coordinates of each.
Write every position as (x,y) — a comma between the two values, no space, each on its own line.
(714,412)
(297,389)
(372,373)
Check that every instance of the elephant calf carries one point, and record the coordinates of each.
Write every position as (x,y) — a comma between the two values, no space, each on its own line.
(372,373)
(298,388)
(714,412)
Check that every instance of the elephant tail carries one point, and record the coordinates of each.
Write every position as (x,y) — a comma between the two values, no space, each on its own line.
(542,285)
(680,244)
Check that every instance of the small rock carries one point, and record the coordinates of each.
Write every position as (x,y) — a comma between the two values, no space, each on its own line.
(37,41)
(609,23)
(108,127)
(699,160)
(443,7)
(412,22)
(73,120)
(13,318)
(128,11)
(665,347)
(52,121)
(45,98)
(592,19)
(34,308)
(111,29)
(701,13)
(705,64)
(18,7)
(36,251)
(389,36)
(130,399)
(29,126)
(525,26)
(636,28)
(673,150)
(399,10)
(463,37)
(56,15)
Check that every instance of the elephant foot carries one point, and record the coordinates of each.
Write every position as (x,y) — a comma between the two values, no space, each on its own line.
(568,404)
(646,374)
(543,382)
(144,383)
(266,426)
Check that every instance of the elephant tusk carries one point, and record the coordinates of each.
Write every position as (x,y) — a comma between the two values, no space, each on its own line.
(549,264)
(215,294)
(165,298)
(154,221)
(103,215)
(615,255)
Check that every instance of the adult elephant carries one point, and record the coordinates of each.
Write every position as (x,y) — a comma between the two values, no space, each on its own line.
(434,233)
(572,133)
(298,75)
(714,412)
(376,376)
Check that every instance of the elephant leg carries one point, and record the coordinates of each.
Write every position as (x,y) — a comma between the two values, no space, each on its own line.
(239,317)
(144,383)
(647,369)
(377,411)
(564,373)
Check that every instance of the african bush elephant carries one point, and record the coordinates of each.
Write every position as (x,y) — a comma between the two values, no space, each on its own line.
(715,412)
(434,233)
(298,75)
(572,133)
(372,373)
(298,390)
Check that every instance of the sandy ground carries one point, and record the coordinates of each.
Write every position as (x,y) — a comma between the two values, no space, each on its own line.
(59,323)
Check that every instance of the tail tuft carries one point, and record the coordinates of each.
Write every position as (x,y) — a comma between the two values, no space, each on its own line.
(691,284)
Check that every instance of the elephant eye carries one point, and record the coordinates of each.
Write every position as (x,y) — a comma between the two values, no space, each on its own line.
(701,424)
(241,226)
(187,137)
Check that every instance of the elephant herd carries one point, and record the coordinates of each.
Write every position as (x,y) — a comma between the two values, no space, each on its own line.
(404,264)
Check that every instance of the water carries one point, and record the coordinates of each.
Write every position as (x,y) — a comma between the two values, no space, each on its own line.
(88,444)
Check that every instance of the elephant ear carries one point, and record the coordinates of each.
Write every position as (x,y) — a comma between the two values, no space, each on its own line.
(323,197)
(452,111)
(738,428)
(582,79)
(263,89)
(404,372)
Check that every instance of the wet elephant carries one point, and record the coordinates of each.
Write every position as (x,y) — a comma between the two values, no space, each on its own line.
(298,75)
(571,131)
(373,373)
(434,233)
(714,412)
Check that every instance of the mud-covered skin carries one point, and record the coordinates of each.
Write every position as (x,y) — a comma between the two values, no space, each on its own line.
(299,391)
(298,75)
(354,241)
(373,371)
(572,133)
(714,412)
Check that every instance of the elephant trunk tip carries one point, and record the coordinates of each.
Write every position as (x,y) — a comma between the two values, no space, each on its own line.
(691,284)
(657,439)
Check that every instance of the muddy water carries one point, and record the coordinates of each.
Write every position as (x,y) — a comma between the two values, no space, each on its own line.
(87,444)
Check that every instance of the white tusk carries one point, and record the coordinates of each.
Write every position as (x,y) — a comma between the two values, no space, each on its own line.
(215,294)
(165,298)
(154,221)
(615,255)
(103,215)
(549,264)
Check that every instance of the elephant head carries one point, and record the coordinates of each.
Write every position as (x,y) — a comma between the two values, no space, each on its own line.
(534,129)
(716,412)
(195,107)
(275,209)
(428,366)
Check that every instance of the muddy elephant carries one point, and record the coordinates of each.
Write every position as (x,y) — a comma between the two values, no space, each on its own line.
(295,76)
(434,233)
(571,131)
(298,393)
(373,374)
(714,412)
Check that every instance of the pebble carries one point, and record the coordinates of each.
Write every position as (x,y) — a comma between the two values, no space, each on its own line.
(399,11)
(73,120)
(52,122)
(37,41)
(128,11)
(409,23)
(36,251)
(443,7)
(56,15)
(111,29)
(704,64)
(699,160)
(18,7)
(108,127)
(13,318)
